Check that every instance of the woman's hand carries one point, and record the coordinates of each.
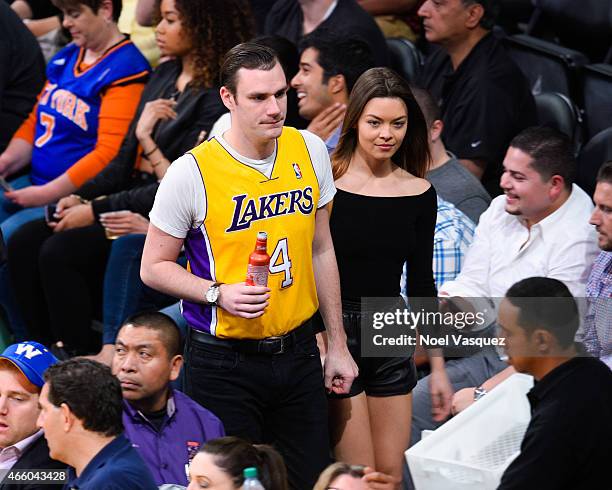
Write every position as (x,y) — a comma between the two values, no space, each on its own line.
(68,202)
(120,223)
(154,111)
(30,196)
(74,217)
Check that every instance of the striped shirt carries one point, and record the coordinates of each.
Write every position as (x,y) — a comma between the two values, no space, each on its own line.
(453,235)
(598,324)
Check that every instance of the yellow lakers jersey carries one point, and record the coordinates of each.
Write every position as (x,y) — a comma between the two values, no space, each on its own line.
(240,202)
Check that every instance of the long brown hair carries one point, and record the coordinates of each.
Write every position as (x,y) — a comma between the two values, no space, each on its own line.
(413,154)
(214,27)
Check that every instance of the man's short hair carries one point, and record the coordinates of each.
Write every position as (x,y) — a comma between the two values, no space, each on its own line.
(547,304)
(94,5)
(166,328)
(491,11)
(550,150)
(338,54)
(91,392)
(605,173)
(6,365)
(251,56)
(429,107)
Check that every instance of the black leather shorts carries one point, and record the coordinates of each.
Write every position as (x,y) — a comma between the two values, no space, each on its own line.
(378,376)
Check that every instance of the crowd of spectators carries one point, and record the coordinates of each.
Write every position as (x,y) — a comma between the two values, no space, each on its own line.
(136,356)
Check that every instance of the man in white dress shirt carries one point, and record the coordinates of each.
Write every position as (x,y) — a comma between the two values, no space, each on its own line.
(538,228)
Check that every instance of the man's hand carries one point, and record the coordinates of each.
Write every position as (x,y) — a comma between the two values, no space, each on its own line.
(340,369)
(242,300)
(462,399)
(74,217)
(119,223)
(379,481)
(325,123)
(441,392)
(30,196)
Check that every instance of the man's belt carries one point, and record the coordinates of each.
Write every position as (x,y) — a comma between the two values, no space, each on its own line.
(270,345)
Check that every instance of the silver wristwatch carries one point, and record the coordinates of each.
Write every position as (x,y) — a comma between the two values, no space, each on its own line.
(212,293)
(479,393)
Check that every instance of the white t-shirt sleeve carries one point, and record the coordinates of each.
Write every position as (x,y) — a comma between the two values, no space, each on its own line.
(221,126)
(322,167)
(180,202)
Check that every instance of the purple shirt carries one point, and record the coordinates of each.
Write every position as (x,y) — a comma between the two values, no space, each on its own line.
(168,452)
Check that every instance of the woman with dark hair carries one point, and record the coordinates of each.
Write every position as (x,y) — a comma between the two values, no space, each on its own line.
(384,215)
(220,463)
(58,287)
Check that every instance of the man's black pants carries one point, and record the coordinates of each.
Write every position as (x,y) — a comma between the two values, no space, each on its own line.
(277,399)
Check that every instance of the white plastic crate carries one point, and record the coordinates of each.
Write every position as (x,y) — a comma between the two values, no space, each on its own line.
(472,450)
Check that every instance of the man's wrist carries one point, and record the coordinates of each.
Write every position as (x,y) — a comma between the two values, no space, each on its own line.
(479,392)
(336,341)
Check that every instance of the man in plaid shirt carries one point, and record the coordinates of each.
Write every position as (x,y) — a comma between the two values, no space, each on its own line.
(598,325)
(453,235)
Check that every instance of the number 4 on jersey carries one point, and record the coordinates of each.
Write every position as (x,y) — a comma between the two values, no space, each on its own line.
(280,262)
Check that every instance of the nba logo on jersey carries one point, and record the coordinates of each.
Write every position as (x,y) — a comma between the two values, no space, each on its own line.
(296,169)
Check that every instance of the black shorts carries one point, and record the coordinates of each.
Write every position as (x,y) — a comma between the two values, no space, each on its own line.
(378,376)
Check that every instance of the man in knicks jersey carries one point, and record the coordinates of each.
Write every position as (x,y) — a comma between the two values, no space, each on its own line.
(251,355)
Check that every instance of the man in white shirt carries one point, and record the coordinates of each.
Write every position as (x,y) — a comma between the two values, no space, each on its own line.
(538,228)
(21,443)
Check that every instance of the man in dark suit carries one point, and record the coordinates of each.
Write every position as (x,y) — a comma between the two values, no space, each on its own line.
(22,445)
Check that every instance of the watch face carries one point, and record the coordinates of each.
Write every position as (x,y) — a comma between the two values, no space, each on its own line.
(212,294)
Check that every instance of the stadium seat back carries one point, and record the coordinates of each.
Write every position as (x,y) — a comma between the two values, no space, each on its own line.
(406,59)
(583,25)
(513,13)
(597,98)
(548,66)
(595,153)
(557,111)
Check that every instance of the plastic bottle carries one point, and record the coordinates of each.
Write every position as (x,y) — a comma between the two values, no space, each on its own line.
(251,482)
(259,262)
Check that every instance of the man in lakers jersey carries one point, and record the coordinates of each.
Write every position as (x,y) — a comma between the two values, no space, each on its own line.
(251,354)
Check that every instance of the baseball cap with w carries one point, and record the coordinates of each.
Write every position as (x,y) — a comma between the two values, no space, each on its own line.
(31,358)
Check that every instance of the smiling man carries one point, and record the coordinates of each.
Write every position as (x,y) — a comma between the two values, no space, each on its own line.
(165,426)
(539,227)
(251,353)
(330,64)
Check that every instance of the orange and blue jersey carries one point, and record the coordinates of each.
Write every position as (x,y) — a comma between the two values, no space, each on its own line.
(69,105)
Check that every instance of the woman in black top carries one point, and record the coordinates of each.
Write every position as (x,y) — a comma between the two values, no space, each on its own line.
(57,274)
(384,214)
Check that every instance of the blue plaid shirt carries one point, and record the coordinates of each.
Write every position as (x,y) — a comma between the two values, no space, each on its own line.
(453,235)
(598,324)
